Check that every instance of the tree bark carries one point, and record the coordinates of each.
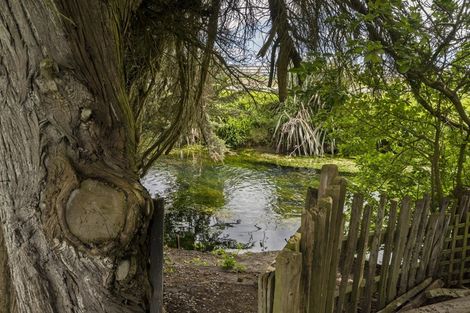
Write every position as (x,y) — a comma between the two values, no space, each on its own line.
(460,166)
(436,183)
(74,215)
(5,298)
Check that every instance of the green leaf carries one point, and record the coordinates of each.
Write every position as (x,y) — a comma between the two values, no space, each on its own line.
(403,66)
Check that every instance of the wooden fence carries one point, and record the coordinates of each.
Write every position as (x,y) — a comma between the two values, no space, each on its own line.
(455,260)
(387,252)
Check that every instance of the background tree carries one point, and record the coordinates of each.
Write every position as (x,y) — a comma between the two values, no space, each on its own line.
(394,55)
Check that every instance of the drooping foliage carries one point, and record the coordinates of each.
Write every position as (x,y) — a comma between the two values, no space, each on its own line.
(169,48)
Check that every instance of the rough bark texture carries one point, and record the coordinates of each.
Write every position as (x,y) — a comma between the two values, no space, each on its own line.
(73,213)
(4,278)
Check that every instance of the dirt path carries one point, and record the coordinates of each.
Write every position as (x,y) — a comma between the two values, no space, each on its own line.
(196,283)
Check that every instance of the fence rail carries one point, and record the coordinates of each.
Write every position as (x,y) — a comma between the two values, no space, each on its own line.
(390,251)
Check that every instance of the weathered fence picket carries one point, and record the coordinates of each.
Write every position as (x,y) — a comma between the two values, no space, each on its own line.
(325,268)
(426,202)
(306,246)
(399,249)
(373,257)
(387,255)
(360,260)
(411,245)
(266,291)
(288,269)
(356,213)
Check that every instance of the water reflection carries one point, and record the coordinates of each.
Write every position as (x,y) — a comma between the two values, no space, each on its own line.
(234,205)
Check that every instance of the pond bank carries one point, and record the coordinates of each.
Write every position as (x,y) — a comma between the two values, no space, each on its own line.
(196,283)
(261,156)
(266,156)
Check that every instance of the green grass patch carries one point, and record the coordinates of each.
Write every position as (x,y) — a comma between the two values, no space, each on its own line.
(346,166)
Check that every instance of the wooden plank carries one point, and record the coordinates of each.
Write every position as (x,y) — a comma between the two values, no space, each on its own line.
(460,249)
(411,244)
(270,292)
(293,244)
(421,299)
(317,296)
(287,284)
(457,272)
(306,246)
(360,260)
(338,193)
(266,291)
(328,173)
(452,247)
(461,305)
(362,285)
(398,302)
(467,259)
(463,206)
(448,293)
(455,282)
(384,272)
(427,249)
(443,226)
(156,256)
(322,246)
(262,288)
(464,248)
(418,247)
(399,248)
(350,250)
(374,254)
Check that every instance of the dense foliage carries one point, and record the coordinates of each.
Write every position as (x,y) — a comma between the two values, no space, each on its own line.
(243,119)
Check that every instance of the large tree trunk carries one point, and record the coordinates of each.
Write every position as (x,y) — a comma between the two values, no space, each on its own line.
(73,213)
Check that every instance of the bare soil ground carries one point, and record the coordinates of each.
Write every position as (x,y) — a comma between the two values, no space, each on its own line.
(196,283)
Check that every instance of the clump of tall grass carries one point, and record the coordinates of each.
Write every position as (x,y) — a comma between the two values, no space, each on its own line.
(296,133)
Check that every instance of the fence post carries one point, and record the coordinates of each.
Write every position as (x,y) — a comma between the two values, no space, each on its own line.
(156,256)
(306,246)
(287,282)
(318,277)
(327,231)
(337,191)
(266,283)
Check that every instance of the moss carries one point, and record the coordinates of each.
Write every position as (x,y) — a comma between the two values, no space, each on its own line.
(346,166)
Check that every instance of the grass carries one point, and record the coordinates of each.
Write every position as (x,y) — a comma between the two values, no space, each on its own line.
(346,166)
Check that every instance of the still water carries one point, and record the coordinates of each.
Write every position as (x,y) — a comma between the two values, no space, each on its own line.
(235,205)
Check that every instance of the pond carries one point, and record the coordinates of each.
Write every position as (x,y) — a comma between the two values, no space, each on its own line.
(235,205)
